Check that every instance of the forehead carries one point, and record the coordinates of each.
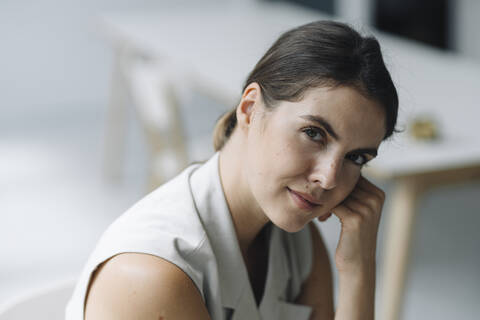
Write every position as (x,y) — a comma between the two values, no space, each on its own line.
(351,115)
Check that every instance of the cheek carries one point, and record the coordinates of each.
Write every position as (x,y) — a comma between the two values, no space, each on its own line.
(273,165)
(287,158)
(280,156)
(294,154)
(346,185)
(262,160)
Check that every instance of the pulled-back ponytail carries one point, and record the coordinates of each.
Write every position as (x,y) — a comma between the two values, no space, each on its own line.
(224,128)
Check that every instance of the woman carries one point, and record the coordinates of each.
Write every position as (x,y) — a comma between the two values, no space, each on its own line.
(234,238)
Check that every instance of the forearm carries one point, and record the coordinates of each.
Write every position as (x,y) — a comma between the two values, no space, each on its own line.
(356,300)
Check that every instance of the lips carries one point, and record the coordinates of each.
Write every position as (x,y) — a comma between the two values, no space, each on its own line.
(302,200)
(306,196)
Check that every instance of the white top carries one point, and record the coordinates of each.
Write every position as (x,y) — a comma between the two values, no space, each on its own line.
(187,222)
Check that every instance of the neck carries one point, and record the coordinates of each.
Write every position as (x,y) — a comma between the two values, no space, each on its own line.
(248,218)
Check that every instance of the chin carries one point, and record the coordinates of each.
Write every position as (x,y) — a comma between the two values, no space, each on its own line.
(290,225)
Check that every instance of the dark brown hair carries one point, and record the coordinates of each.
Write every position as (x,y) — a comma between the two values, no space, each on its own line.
(321,53)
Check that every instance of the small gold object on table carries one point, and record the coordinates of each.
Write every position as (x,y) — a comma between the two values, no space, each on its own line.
(424,128)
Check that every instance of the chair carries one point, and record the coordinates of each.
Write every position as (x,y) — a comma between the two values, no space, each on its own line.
(44,303)
(149,85)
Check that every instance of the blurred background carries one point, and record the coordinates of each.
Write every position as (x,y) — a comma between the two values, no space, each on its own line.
(57,193)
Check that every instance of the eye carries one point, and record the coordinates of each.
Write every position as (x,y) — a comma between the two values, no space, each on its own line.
(358,159)
(314,134)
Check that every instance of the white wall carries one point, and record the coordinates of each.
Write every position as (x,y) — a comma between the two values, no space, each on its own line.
(51,55)
(467,27)
(356,12)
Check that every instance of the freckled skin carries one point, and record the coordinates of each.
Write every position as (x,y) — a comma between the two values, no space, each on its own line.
(280,155)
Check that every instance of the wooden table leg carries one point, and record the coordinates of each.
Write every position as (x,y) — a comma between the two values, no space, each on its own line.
(408,190)
(399,232)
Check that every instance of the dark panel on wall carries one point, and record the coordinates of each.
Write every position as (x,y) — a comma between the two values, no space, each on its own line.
(426,21)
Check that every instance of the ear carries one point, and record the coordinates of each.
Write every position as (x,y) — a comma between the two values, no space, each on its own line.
(249,105)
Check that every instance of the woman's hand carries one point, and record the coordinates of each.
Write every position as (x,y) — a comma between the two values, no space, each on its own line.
(359,216)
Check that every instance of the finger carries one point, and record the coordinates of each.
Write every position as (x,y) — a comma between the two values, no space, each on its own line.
(364,184)
(369,199)
(342,212)
(358,206)
(324,217)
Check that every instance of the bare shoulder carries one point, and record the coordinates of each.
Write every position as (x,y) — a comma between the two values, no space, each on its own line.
(317,290)
(142,286)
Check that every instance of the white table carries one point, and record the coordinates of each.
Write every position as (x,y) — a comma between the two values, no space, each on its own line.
(212,48)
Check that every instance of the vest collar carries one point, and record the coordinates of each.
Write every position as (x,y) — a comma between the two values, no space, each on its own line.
(212,207)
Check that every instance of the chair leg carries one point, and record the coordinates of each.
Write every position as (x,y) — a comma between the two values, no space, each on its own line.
(168,151)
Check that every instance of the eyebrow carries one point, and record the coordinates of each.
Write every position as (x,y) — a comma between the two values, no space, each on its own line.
(324,123)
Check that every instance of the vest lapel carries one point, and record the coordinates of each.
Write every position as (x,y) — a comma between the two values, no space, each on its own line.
(246,307)
(212,207)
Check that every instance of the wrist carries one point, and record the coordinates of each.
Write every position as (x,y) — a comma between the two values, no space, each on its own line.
(360,277)
(358,271)
(365,281)
(356,300)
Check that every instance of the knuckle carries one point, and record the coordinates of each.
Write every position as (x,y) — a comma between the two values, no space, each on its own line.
(356,221)
(381,194)
(372,202)
(367,208)
(379,198)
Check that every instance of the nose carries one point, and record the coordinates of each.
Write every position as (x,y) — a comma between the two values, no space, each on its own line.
(325,173)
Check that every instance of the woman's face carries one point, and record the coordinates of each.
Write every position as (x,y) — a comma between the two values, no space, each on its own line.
(314,147)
